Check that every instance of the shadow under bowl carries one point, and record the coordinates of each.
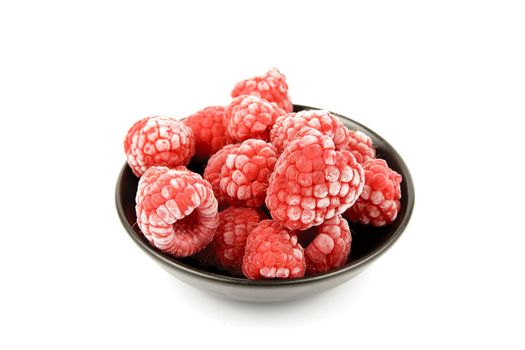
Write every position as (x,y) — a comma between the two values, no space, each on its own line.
(368,243)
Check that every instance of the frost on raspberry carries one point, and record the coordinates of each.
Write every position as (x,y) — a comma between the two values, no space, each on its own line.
(312,181)
(271,86)
(209,130)
(273,252)
(212,172)
(246,171)
(158,141)
(250,117)
(176,210)
(286,127)
(329,247)
(235,224)
(379,203)
(360,144)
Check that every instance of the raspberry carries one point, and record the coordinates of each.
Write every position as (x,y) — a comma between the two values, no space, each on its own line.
(245,173)
(360,144)
(287,126)
(210,133)
(235,224)
(312,181)
(212,172)
(158,141)
(272,252)
(250,117)
(176,210)
(330,247)
(270,86)
(379,201)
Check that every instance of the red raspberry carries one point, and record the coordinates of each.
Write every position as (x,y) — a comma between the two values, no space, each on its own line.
(330,247)
(235,224)
(360,144)
(158,141)
(250,117)
(210,133)
(273,252)
(270,86)
(312,181)
(212,172)
(379,201)
(176,210)
(245,173)
(287,126)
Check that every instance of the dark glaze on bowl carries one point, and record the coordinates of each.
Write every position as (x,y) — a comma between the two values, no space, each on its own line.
(368,243)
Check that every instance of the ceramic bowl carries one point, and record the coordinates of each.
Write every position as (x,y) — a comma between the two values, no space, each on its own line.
(368,243)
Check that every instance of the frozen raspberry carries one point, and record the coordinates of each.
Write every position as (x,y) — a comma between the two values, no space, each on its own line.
(360,144)
(245,173)
(330,246)
(176,210)
(158,141)
(287,126)
(250,117)
(273,252)
(209,130)
(235,224)
(379,202)
(312,181)
(270,86)
(212,172)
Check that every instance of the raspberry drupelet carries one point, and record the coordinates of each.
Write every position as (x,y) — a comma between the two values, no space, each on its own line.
(379,203)
(250,117)
(235,224)
(245,173)
(273,252)
(176,210)
(209,130)
(159,141)
(330,246)
(312,181)
(271,86)
(287,126)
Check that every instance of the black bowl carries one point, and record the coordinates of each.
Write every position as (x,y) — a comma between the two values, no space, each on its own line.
(368,243)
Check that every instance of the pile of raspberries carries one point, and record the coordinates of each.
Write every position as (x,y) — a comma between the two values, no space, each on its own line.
(277,189)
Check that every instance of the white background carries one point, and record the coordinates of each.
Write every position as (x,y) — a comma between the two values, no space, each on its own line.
(443,81)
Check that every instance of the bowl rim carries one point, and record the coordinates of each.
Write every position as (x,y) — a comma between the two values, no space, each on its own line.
(214,277)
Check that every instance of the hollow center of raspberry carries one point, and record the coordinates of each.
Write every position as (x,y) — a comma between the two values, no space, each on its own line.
(188,224)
